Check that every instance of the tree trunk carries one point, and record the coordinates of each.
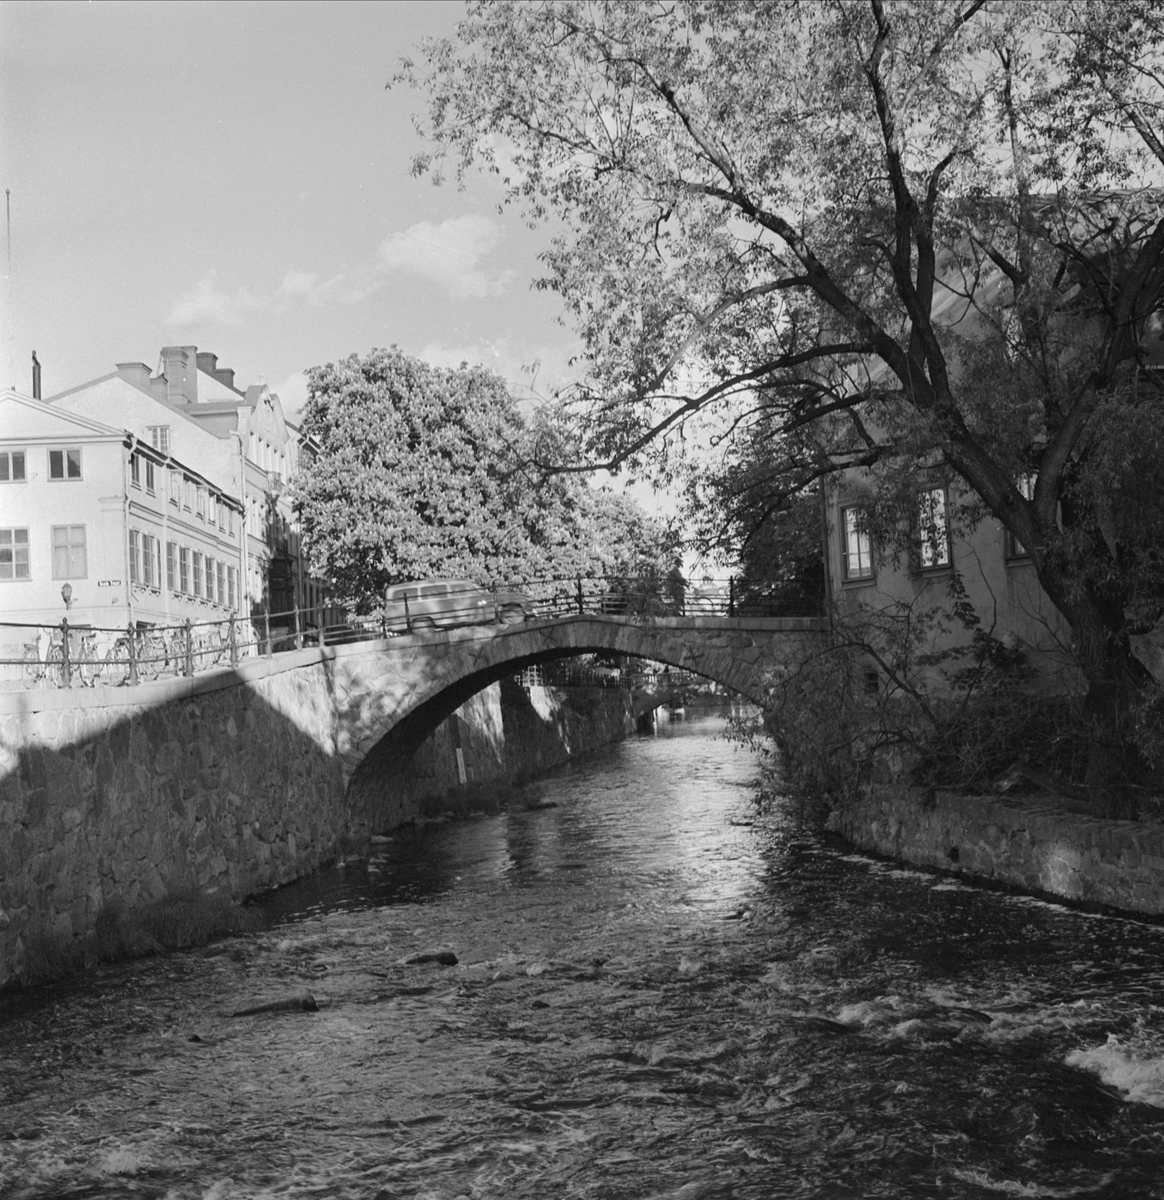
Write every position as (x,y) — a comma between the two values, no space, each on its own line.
(1117,684)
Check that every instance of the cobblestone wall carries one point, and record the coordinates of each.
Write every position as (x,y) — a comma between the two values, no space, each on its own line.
(1036,845)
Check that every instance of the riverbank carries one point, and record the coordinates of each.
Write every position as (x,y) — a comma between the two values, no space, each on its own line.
(1041,845)
(115,821)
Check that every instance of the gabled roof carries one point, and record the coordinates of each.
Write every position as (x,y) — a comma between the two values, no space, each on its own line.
(81,387)
(25,418)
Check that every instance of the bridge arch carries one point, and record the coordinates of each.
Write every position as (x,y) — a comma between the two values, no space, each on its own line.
(399,692)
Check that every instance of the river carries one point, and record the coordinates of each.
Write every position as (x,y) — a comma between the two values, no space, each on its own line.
(662,989)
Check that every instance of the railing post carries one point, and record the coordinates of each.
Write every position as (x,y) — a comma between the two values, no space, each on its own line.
(131,642)
(298,627)
(732,596)
(232,637)
(581,608)
(267,632)
(407,615)
(322,628)
(188,639)
(66,665)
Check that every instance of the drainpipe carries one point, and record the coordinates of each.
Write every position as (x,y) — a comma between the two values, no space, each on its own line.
(244,534)
(163,565)
(131,444)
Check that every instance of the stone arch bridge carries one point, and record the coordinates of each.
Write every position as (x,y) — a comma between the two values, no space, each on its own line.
(390,696)
(247,777)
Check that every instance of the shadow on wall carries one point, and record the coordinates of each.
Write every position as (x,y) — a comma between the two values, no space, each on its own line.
(506,734)
(116,810)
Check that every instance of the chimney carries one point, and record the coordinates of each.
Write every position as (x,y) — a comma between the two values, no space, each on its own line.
(141,377)
(209,363)
(35,377)
(179,365)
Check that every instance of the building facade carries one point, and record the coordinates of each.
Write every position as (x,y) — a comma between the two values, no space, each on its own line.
(107,530)
(190,409)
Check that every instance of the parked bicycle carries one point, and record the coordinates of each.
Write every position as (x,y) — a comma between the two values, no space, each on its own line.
(46,665)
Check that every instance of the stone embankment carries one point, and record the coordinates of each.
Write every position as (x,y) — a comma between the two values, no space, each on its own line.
(116,799)
(1036,845)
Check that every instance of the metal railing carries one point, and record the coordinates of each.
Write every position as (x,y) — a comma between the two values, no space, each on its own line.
(66,655)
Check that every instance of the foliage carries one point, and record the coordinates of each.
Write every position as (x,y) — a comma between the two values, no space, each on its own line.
(889,236)
(423,472)
(921,692)
(776,538)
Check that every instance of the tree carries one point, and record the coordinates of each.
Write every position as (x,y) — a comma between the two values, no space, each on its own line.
(894,234)
(422,472)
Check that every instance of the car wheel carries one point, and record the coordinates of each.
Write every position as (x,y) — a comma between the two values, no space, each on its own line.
(422,624)
(512,614)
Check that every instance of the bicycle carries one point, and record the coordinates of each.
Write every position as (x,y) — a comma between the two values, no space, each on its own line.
(38,670)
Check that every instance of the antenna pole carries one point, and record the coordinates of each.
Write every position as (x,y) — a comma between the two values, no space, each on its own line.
(11,305)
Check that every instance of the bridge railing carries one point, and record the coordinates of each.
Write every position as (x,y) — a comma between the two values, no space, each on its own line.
(73,654)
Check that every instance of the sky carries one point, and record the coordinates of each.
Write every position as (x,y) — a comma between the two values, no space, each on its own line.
(237,177)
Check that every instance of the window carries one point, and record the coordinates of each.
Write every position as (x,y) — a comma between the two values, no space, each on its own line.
(230,587)
(14,563)
(1026,486)
(858,548)
(184,570)
(171,564)
(188,494)
(210,579)
(221,568)
(230,522)
(135,470)
(65,464)
(933,531)
(149,560)
(175,487)
(149,473)
(160,438)
(197,573)
(69,559)
(134,556)
(201,502)
(12,466)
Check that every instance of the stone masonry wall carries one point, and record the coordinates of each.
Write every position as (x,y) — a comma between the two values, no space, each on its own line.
(1039,846)
(507,733)
(111,797)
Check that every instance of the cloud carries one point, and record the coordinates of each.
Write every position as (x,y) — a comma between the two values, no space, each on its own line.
(531,371)
(449,254)
(207,304)
(299,283)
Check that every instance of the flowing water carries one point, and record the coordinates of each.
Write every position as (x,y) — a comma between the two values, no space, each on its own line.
(661,990)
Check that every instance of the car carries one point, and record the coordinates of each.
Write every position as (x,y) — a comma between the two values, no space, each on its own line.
(447,603)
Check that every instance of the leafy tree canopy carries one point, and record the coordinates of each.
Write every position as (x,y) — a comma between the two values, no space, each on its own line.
(423,472)
(890,234)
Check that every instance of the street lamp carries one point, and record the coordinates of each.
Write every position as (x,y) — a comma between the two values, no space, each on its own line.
(67,595)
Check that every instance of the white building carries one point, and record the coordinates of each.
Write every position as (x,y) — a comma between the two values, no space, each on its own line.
(106,529)
(190,409)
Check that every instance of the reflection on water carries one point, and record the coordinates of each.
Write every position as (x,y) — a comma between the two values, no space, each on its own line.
(660,991)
